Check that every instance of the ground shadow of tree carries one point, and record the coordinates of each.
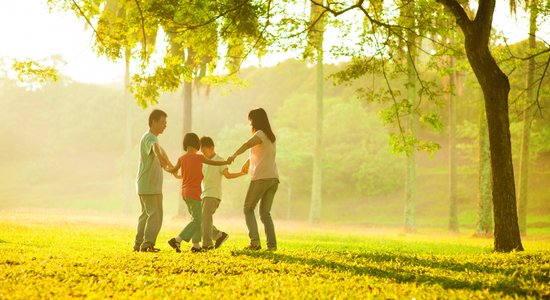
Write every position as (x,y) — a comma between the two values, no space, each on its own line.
(510,285)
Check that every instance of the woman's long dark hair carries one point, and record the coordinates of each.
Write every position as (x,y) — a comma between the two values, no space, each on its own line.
(259,121)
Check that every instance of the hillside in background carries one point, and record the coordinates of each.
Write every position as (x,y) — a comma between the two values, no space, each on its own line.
(64,147)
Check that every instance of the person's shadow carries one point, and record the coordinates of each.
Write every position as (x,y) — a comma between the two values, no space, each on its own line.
(509,285)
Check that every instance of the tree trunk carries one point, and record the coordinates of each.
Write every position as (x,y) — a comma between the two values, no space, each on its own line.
(129,178)
(187,114)
(315,41)
(524,170)
(453,211)
(316,188)
(187,106)
(485,211)
(495,86)
(527,120)
(289,200)
(187,122)
(410,184)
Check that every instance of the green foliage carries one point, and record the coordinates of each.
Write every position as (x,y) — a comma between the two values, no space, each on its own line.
(195,31)
(34,73)
(407,143)
(49,256)
(167,78)
(353,143)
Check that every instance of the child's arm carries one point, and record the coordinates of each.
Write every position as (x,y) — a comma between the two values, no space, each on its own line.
(177,175)
(230,175)
(244,171)
(214,162)
(253,141)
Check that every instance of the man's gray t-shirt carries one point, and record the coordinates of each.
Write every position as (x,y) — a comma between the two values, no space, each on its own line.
(149,177)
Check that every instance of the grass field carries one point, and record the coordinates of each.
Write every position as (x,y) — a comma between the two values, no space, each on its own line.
(66,255)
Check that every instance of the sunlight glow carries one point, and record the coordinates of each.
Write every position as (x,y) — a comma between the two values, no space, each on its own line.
(31,31)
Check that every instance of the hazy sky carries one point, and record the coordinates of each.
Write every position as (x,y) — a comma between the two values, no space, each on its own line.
(29,30)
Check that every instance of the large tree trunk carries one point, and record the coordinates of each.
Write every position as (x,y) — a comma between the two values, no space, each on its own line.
(495,86)
(527,121)
(453,209)
(485,209)
(410,184)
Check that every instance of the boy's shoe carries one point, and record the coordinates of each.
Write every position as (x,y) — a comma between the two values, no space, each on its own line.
(253,247)
(196,250)
(207,248)
(149,249)
(221,240)
(174,244)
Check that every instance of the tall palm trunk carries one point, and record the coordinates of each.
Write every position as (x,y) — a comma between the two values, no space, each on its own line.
(527,117)
(410,184)
(187,113)
(316,189)
(316,41)
(453,210)
(128,170)
(484,210)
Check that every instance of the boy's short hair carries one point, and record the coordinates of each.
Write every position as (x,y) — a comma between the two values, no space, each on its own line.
(207,142)
(191,140)
(156,115)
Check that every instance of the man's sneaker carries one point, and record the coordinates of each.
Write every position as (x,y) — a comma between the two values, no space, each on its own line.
(174,244)
(272,249)
(253,247)
(207,248)
(221,240)
(149,249)
(196,250)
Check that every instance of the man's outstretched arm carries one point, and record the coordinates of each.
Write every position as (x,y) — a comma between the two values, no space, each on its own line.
(163,158)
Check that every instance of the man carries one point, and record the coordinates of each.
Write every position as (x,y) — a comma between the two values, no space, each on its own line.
(152,159)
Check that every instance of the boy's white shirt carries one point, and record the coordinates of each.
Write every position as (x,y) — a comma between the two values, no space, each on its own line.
(212,181)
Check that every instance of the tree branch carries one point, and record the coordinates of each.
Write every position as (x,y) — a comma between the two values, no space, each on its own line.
(461,17)
(484,18)
(87,20)
(540,85)
(142,30)
(337,13)
(186,27)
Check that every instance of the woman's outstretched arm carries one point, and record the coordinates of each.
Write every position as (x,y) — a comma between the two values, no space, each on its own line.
(215,162)
(253,141)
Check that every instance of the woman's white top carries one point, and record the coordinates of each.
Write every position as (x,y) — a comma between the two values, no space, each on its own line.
(262,158)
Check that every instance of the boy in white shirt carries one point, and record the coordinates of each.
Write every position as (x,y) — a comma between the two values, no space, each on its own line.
(211,194)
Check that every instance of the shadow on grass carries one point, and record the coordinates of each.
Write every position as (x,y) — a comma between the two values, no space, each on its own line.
(510,286)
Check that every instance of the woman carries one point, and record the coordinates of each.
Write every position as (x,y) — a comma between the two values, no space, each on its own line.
(264,178)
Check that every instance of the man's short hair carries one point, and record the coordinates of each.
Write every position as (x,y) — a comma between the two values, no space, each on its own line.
(156,115)
(191,140)
(207,142)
